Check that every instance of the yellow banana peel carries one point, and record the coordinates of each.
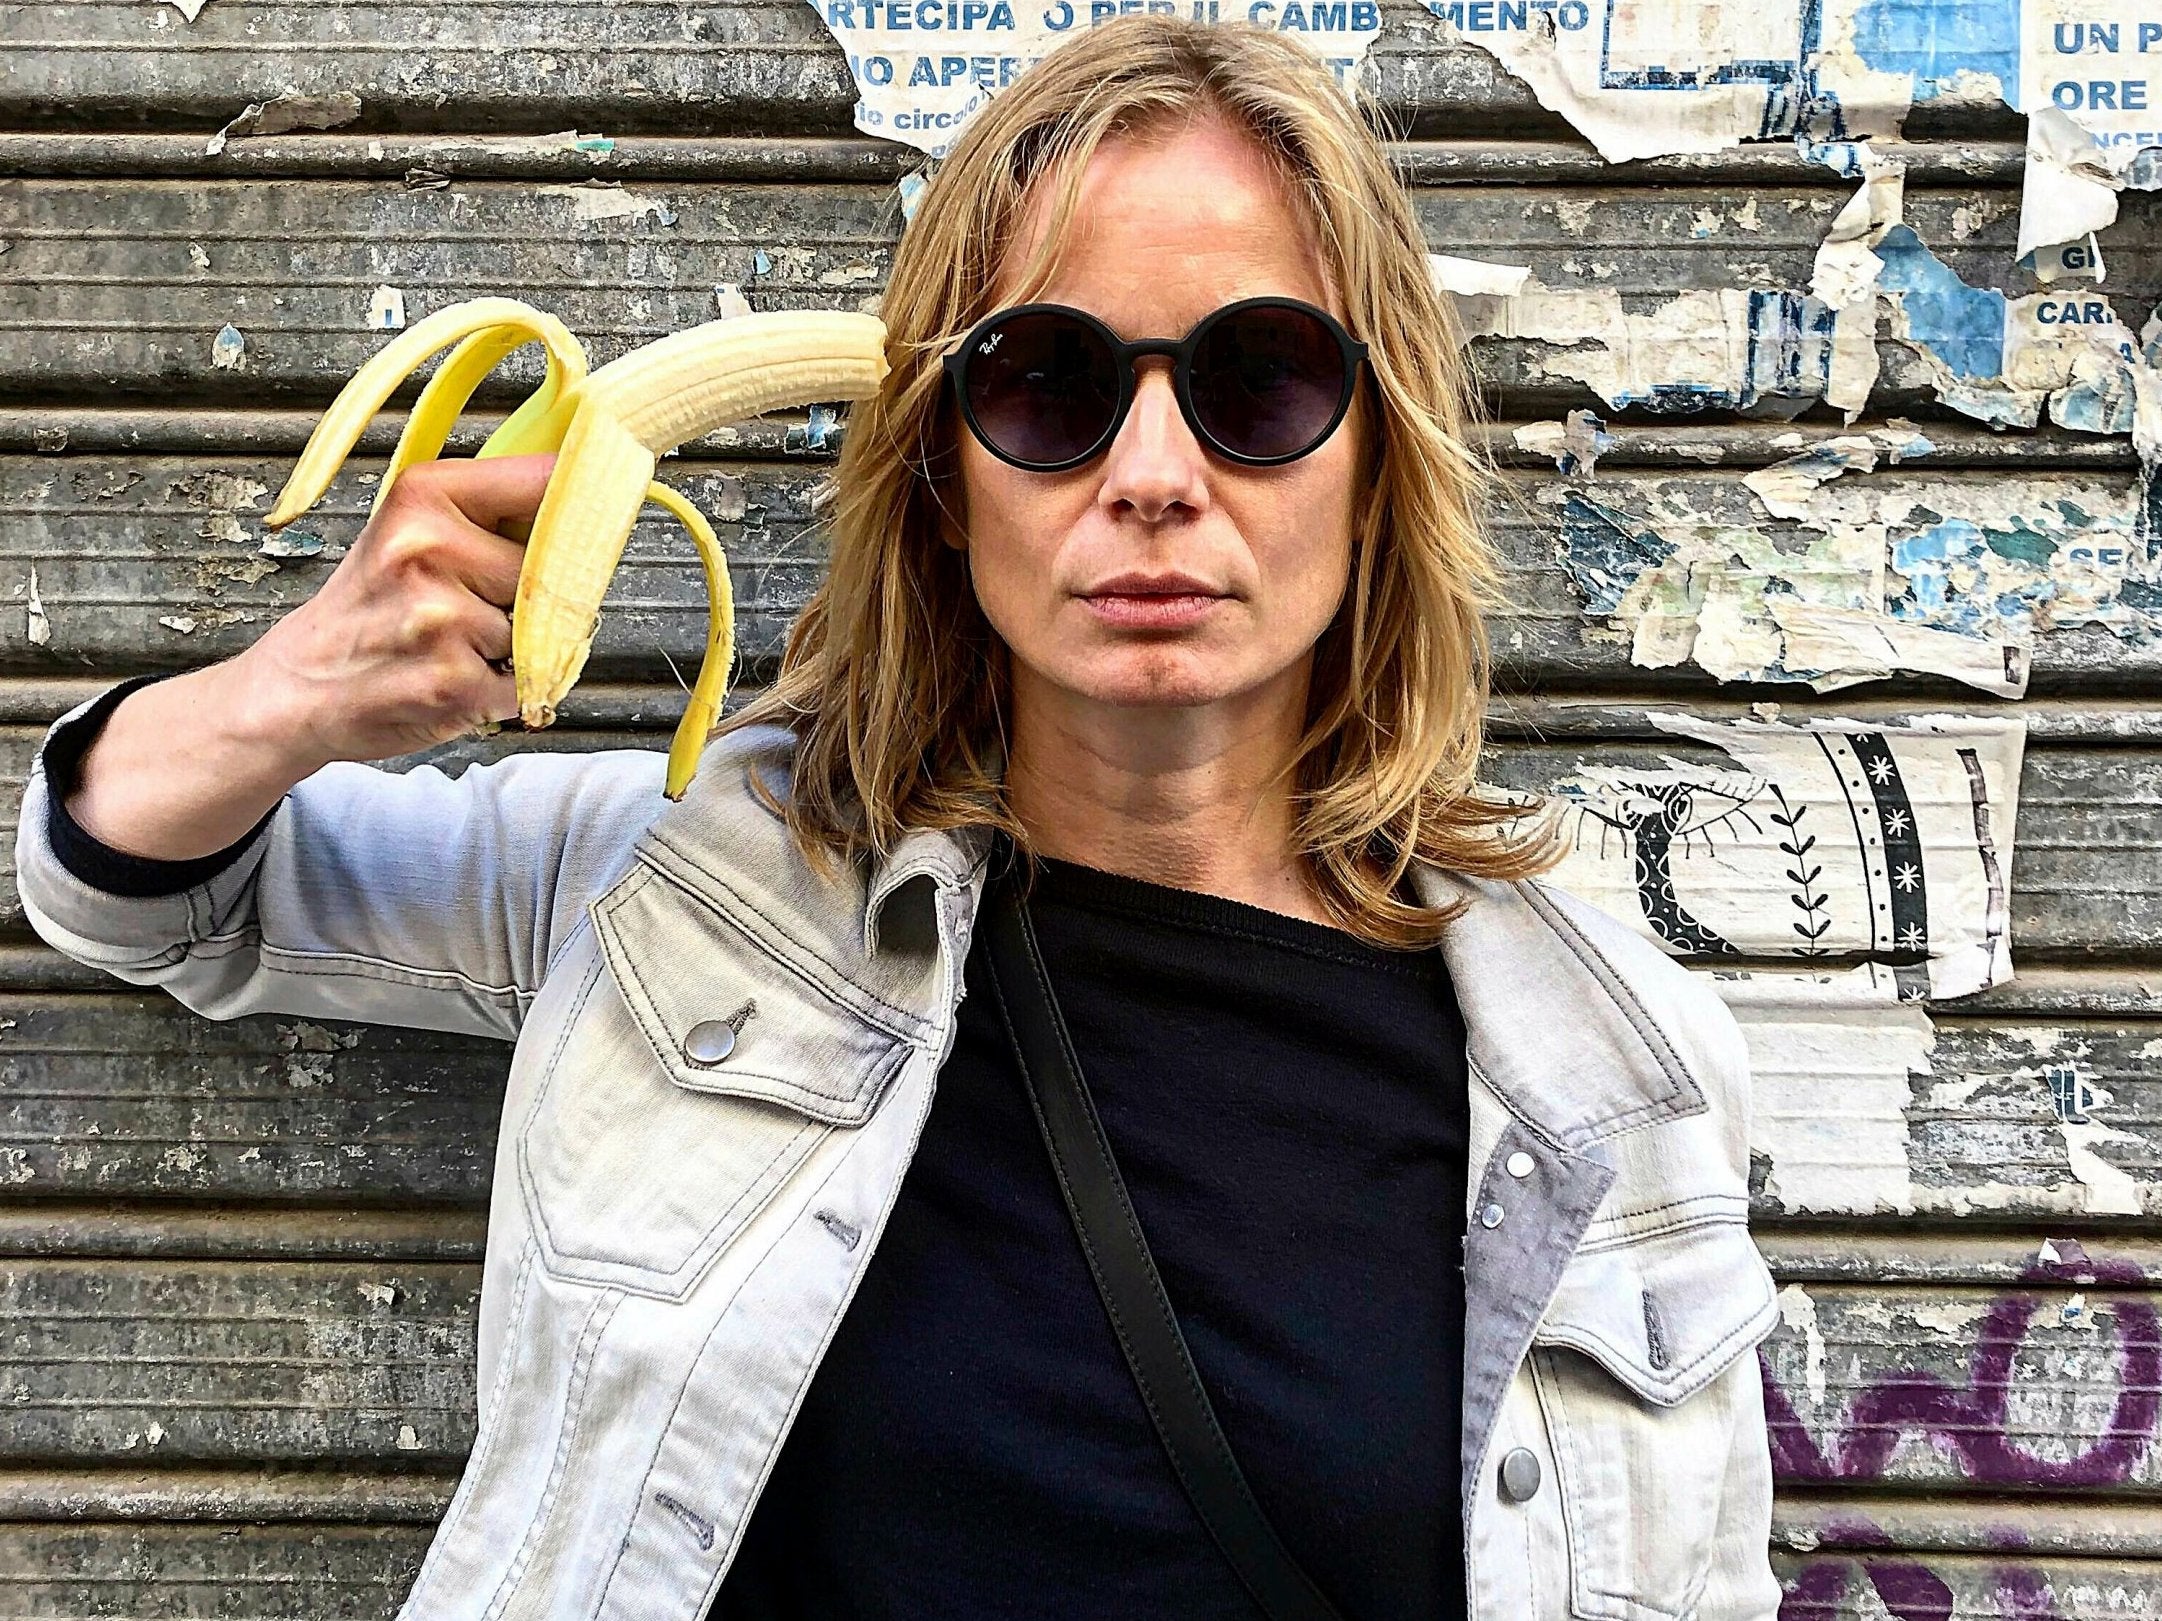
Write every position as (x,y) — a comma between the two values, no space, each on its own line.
(608,429)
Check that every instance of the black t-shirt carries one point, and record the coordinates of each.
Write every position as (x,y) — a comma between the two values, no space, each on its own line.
(1288,1107)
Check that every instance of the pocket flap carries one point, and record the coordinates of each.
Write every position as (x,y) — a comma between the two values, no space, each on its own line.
(813,1044)
(1665,1314)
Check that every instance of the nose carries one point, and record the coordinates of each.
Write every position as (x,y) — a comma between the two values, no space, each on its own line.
(1155,464)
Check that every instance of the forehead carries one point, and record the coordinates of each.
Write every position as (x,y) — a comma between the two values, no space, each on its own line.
(1167,226)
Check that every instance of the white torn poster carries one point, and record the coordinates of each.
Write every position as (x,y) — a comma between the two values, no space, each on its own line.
(1822,840)
(2005,360)
(1640,79)
(1832,1061)
(1845,279)
(290,111)
(922,67)
(600,200)
(386,309)
(1702,349)
(2089,85)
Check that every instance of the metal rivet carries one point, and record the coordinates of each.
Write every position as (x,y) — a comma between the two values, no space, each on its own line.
(1491,1216)
(709,1041)
(1520,1476)
(1520,1164)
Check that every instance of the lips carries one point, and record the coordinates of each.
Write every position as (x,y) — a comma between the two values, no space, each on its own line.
(1153,585)
(1136,601)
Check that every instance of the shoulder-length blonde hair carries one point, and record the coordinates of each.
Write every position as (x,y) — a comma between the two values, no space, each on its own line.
(893,681)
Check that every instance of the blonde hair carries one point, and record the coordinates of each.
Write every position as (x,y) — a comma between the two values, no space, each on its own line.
(893,681)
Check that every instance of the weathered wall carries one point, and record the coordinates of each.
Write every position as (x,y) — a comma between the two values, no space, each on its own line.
(238,1262)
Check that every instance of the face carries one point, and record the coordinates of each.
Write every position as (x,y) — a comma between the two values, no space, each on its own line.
(1158,574)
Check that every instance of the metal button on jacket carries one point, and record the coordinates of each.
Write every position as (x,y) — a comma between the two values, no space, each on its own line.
(1520,1165)
(709,1041)
(1490,1216)
(1520,1476)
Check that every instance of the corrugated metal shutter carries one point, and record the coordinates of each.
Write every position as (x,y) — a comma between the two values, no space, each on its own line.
(238,1262)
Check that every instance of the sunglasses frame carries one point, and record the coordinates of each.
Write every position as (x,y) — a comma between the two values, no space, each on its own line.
(1181,351)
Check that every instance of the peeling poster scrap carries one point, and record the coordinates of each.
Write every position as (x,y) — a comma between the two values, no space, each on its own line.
(2005,360)
(288,112)
(2088,85)
(1822,840)
(1955,576)
(1844,1036)
(1644,80)
(386,310)
(923,66)
(608,200)
(1702,349)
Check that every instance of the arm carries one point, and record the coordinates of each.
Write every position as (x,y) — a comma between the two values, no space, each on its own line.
(1741,1586)
(413,899)
(221,833)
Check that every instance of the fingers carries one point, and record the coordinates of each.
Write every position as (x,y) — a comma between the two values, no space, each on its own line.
(453,507)
(487,493)
(499,693)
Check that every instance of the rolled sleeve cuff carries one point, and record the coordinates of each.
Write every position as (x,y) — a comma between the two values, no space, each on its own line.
(88,859)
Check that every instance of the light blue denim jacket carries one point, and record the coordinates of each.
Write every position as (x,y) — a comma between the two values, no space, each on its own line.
(671,1243)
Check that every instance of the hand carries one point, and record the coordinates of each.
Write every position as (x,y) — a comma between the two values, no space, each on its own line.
(407,644)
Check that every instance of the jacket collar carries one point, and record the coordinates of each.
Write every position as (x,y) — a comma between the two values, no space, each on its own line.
(1559,1033)
(1562,1036)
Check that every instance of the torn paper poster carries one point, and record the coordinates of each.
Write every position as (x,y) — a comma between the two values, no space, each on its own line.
(2089,85)
(1645,78)
(1823,839)
(2006,360)
(1787,484)
(599,200)
(288,112)
(911,187)
(1700,350)
(1575,445)
(1742,606)
(1950,575)
(386,310)
(1845,278)
(228,350)
(1832,1063)
(39,627)
(923,66)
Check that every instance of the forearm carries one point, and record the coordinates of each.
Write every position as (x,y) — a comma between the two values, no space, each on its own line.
(185,766)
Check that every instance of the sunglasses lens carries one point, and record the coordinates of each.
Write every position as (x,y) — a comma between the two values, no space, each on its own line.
(1042,387)
(1267,381)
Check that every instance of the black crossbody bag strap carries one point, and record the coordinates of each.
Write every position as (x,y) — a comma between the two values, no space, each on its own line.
(1126,1276)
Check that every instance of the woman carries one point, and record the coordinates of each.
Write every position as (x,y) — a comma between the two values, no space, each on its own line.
(1443,1172)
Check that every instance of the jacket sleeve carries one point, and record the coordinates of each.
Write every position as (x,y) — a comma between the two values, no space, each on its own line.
(1741,1586)
(406,898)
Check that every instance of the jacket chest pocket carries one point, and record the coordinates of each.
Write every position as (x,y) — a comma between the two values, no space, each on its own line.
(1627,1364)
(694,1073)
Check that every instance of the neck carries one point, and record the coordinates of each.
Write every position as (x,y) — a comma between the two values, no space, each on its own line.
(1195,798)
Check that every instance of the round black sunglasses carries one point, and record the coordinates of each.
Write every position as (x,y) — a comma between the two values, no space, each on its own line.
(1263,381)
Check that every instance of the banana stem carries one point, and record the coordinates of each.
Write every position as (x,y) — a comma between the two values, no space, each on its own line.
(711,687)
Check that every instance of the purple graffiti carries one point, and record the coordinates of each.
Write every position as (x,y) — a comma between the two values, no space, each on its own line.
(1972,1424)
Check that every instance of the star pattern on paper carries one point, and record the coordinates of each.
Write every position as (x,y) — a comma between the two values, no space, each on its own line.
(1906,876)
(1880,769)
(1895,823)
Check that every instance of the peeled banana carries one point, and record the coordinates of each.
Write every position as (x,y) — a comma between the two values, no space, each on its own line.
(608,428)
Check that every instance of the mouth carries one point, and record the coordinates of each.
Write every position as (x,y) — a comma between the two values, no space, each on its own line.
(1152,601)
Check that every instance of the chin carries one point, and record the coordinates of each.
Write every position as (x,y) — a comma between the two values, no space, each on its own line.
(1156,678)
